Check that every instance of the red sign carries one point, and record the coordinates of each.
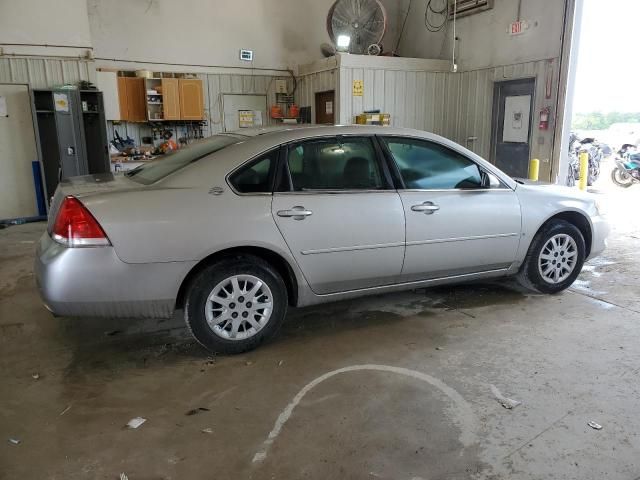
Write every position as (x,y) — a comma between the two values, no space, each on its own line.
(516,28)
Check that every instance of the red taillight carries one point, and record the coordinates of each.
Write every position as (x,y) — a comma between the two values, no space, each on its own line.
(76,227)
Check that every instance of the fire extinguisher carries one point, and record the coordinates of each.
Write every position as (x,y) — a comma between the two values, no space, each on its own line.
(545,113)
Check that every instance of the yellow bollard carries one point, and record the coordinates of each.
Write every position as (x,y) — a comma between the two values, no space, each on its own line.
(584,170)
(534,169)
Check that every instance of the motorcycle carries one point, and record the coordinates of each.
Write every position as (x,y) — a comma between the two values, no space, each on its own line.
(627,169)
(595,153)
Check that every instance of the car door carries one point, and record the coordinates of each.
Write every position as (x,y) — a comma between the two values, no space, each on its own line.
(454,225)
(340,214)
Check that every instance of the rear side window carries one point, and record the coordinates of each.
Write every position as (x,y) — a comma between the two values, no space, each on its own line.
(172,162)
(335,164)
(425,165)
(256,176)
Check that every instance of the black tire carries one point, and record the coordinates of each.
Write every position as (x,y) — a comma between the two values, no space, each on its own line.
(204,283)
(618,177)
(530,276)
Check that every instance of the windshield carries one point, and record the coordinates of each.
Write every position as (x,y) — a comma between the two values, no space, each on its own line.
(172,162)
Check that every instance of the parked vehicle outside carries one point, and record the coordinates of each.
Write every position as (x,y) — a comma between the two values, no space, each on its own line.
(627,169)
(596,154)
(238,227)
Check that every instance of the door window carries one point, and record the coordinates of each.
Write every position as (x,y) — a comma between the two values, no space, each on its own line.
(425,165)
(335,164)
(255,177)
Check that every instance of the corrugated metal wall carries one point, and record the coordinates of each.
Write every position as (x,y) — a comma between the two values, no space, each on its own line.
(455,105)
(45,72)
(309,85)
(474,105)
(214,86)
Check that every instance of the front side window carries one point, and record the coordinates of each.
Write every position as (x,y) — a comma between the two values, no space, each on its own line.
(425,165)
(335,164)
(256,176)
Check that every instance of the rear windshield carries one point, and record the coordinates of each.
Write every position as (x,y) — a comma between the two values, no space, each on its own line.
(172,162)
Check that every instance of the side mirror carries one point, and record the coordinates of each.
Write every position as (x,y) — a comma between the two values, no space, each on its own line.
(489,180)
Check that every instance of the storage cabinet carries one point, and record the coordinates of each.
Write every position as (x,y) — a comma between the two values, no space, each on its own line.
(72,133)
(132,99)
(171,98)
(158,99)
(191,99)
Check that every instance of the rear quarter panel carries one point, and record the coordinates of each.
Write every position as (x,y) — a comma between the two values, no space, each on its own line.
(184,224)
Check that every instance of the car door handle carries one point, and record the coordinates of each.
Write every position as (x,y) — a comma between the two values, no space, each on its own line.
(427,208)
(297,212)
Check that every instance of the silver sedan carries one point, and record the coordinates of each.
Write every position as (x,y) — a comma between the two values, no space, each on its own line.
(238,227)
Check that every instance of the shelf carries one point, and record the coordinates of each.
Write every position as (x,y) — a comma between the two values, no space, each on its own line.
(44,111)
(154,103)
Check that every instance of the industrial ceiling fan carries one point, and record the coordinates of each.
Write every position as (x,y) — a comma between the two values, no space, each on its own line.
(355,25)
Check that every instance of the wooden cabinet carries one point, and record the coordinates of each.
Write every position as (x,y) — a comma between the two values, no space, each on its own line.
(171,98)
(191,99)
(132,99)
(177,99)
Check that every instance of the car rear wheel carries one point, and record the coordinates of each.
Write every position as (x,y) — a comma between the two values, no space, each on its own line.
(236,304)
(555,258)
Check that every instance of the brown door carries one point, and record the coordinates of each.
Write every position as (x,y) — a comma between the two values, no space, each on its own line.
(123,98)
(191,99)
(132,97)
(170,99)
(325,107)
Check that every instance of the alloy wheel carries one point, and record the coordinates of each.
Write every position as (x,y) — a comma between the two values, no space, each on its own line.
(558,258)
(239,307)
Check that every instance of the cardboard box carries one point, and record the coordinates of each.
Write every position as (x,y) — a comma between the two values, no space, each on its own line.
(374,119)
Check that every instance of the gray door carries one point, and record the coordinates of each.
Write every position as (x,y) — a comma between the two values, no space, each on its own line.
(339,215)
(454,226)
(511,126)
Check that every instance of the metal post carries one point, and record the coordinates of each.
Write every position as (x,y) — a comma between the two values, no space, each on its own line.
(534,169)
(584,170)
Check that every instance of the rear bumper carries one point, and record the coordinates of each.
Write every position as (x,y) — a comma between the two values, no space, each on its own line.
(600,234)
(94,282)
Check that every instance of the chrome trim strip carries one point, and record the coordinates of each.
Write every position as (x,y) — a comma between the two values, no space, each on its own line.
(333,192)
(461,239)
(417,190)
(351,249)
(408,284)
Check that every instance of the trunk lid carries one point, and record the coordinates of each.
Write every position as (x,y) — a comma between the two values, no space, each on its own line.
(86,185)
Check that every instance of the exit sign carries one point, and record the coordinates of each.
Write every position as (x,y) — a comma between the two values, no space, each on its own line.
(518,28)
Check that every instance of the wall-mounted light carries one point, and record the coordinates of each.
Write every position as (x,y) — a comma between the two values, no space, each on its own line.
(343,42)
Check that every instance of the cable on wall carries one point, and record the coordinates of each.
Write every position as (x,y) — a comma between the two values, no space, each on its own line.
(435,16)
(402,30)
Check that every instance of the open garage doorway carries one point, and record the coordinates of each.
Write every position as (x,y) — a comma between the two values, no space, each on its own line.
(603,110)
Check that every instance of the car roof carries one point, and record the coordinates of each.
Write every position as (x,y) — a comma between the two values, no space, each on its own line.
(254,141)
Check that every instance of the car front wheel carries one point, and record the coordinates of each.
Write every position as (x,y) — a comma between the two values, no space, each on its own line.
(555,258)
(235,304)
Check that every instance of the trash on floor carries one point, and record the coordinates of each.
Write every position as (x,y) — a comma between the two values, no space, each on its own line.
(136,422)
(65,410)
(594,425)
(36,376)
(197,410)
(280,363)
(508,403)
(123,476)
(207,430)
(14,441)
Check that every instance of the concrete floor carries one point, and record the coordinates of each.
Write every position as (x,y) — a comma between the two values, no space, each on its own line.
(414,400)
